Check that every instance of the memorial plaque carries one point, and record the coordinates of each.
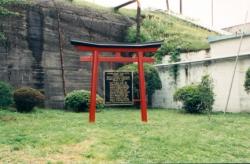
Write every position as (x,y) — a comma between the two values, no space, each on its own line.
(118,88)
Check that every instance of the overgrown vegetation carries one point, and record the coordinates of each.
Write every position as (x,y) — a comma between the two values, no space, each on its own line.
(79,101)
(6,95)
(27,98)
(5,11)
(2,37)
(118,136)
(91,5)
(197,98)
(153,81)
(175,33)
(247,81)
(174,57)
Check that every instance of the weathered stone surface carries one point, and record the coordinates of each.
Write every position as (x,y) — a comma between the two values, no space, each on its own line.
(32,55)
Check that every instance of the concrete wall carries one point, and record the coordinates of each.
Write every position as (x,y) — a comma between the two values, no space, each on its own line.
(220,70)
(32,56)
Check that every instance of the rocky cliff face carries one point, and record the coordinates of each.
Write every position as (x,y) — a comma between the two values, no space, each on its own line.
(38,52)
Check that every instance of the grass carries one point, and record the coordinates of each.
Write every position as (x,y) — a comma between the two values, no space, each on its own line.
(90,5)
(175,32)
(118,136)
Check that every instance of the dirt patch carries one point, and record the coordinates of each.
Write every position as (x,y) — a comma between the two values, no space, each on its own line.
(7,118)
(67,154)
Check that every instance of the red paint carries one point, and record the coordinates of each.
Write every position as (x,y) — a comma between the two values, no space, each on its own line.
(142,87)
(94,80)
(118,59)
(96,58)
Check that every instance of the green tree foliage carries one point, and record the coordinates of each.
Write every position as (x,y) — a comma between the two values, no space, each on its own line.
(78,101)
(4,11)
(197,98)
(27,98)
(6,97)
(247,81)
(153,81)
(175,33)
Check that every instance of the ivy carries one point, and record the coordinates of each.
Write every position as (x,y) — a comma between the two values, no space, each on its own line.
(174,57)
(2,36)
(5,11)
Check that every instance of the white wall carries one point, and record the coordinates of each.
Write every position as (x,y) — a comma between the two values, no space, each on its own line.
(221,72)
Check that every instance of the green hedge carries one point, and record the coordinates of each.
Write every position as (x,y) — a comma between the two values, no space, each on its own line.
(78,101)
(6,92)
(197,98)
(247,81)
(27,98)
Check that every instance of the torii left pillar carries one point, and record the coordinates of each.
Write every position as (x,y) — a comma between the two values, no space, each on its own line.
(95,59)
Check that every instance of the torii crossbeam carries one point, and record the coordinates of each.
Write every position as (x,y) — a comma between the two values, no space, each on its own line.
(97,48)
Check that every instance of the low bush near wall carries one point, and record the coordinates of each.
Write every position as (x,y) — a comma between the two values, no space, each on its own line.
(6,98)
(247,81)
(79,100)
(27,98)
(197,98)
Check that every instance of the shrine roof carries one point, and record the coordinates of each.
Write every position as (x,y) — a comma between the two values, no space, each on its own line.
(155,44)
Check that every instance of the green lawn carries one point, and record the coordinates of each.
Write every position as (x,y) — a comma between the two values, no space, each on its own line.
(118,136)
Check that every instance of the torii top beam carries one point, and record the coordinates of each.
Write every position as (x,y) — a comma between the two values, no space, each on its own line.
(117,47)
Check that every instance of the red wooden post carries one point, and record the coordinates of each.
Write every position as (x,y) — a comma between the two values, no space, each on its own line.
(94,80)
(142,87)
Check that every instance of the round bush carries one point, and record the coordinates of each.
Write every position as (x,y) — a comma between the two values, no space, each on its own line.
(79,101)
(6,98)
(247,81)
(197,98)
(152,79)
(27,98)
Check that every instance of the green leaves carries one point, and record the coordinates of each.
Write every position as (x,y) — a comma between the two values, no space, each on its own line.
(5,94)
(197,98)
(247,81)
(27,98)
(4,11)
(78,101)
(175,33)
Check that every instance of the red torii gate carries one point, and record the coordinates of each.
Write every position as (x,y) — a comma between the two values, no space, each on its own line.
(96,58)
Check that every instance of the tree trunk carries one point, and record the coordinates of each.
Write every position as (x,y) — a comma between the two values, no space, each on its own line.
(138,21)
(167,5)
(180,6)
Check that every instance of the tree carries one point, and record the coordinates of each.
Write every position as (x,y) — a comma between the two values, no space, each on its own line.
(247,81)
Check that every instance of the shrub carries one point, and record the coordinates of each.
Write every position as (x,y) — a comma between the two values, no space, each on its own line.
(79,101)
(6,98)
(152,78)
(27,98)
(174,32)
(247,81)
(197,98)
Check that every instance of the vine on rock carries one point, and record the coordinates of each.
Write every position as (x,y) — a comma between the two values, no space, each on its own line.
(174,69)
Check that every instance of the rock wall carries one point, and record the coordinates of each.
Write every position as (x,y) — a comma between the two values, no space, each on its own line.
(32,56)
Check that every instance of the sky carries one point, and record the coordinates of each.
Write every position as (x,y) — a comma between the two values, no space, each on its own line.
(226,12)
